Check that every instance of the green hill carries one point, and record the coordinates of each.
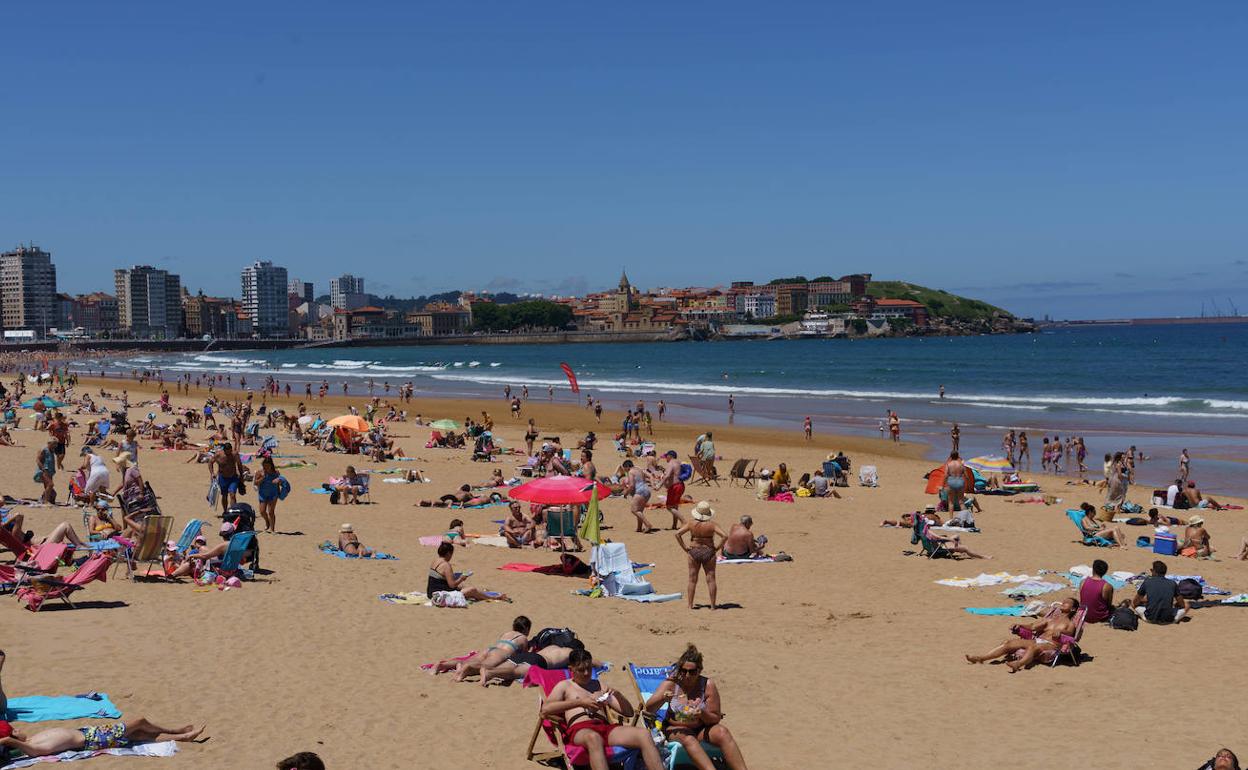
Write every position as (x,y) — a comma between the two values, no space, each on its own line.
(939,303)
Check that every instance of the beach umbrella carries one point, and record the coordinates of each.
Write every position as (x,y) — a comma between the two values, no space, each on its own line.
(589,524)
(444,425)
(46,401)
(936,480)
(559,490)
(351,422)
(990,464)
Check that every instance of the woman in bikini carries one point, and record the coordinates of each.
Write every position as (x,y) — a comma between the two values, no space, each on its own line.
(637,490)
(702,549)
(693,713)
(583,702)
(507,645)
(442,577)
(349,543)
(530,436)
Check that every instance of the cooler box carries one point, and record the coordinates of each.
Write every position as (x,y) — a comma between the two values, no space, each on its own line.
(1166,545)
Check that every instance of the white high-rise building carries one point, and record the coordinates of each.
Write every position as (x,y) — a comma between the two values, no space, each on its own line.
(28,289)
(265,299)
(346,292)
(149,301)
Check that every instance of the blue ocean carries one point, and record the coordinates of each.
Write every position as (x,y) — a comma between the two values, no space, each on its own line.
(1160,388)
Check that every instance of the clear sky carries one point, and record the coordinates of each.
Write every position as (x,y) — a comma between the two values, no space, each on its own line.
(1080,159)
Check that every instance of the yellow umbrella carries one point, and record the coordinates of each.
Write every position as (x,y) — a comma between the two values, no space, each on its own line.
(350,422)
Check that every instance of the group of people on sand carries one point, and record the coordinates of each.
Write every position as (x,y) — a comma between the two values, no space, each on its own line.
(585,711)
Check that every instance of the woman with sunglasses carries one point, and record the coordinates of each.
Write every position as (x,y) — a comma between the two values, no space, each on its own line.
(693,713)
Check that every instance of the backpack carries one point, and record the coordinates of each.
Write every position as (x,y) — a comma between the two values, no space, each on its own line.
(1124,619)
(1190,589)
(555,637)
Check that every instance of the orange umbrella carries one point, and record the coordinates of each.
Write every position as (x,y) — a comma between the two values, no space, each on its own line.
(936,480)
(351,422)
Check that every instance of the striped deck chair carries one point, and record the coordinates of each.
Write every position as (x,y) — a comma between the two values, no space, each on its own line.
(647,680)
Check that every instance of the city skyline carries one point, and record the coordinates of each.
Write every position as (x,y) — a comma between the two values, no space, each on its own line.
(1068,160)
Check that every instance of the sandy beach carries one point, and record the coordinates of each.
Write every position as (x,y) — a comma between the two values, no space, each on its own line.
(849,656)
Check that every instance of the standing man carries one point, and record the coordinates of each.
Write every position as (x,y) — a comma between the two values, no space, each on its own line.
(228,475)
(550,392)
(45,462)
(942,392)
(955,480)
(1023,450)
(59,430)
(732,404)
(663,411)
(675,488)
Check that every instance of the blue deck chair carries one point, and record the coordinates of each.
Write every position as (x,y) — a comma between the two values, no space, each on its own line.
(240,543)
(193,527)
(647,679)
(1076,517)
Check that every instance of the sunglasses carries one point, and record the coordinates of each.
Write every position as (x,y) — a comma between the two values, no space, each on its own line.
(694,670)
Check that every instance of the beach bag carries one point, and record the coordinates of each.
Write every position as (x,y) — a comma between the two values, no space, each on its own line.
(214,493)
(1130,507)
(1190,589)
(1124,619)
(555,637)
(686,472)
(448,599)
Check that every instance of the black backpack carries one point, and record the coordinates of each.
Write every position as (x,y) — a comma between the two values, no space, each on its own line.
(1124,619)
(1190,589)
(555,637)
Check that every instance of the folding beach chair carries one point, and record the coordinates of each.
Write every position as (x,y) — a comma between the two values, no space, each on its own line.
(868,476)
(561,523)
(705,474)
(151,546)
(231,562)
(647,680)
(12,541)
(743,471)
(569,756)
(193,529)
(41,590)
(1068,645)
(45,559)
(1076,518)
(931,548)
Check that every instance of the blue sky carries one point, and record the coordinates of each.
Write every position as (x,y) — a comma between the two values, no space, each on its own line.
(1084,160)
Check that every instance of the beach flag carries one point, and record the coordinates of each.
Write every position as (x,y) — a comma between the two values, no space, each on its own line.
(589,524)
(571,377)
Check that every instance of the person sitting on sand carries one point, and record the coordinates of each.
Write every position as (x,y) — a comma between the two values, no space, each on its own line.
(508,644)
(496,479)
(442,577)
(519,529)
(6,439)
(455,533)
(1045,634)
(741,542)
(781,479)
(582,702)
(1093,528)
(1196,542)
(1196,500)
(95,737)
(693,712)
(1097,594)
(349,543)
(205,558)
(1157,600)
(765,488)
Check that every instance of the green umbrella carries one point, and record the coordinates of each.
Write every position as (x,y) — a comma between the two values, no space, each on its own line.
(445,425)
(47,401)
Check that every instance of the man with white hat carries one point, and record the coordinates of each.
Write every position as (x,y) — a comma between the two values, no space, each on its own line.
(702,549)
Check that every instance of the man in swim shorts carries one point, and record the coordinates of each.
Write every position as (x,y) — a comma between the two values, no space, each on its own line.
(675,488)
(93,737)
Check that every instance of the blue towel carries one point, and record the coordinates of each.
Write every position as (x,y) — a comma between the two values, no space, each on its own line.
(1014,611)
(332,551)
(43,708)
(321,491)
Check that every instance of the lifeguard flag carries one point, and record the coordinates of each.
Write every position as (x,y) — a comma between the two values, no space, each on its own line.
(571,377)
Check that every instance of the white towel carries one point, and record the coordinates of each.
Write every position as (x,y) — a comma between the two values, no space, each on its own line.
(162,749)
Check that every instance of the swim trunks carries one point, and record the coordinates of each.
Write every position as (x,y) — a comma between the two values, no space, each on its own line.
(674,494)
(99,737)
(227,484)
(596,725)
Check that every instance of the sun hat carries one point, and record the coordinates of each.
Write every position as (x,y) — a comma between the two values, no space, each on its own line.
(170,545)
(1196,521)
(345,528)
(765,473)
(200,539)
(703,511)
(227,527)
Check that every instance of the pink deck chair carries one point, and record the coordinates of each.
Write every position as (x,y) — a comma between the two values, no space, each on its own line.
(572,756)
(35,595)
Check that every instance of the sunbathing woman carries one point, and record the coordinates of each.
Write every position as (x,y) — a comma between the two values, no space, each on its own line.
(507,645)
(1042,635)
(349,543)
(951,545)
(582,701)
(96,737)
(693,712)
(1093,528)
(442,577)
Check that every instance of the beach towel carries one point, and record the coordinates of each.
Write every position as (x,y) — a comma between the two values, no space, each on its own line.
(984,579)
(649,598)
(764,560)
(954,530)
(321,491)
(333,550)
(1017,610)
(162,749)
(413,597)
(1033,588)
(45,708)
(519,566)
(396,481)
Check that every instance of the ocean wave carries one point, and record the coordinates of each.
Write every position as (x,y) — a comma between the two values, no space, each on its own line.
(406,369)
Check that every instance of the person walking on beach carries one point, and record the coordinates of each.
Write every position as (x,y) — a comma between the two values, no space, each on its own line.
(807,428)
(663,412)
(550,392)
(955,437)
(675,487)
(1023,450)
(598,410)
(894,427)
(732,404)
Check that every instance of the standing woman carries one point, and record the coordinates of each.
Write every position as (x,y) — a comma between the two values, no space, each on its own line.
(702,549)
(271,486)
(693,713)
(530,435)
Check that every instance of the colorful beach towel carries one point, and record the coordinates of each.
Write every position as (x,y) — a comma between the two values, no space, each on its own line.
(49,708)
(333,550)
(413,597)
(1016,611)
(162,749)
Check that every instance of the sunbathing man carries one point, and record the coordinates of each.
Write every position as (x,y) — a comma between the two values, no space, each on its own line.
(95,737)
(507,645)
(1093,528)
(519,529)
(741,542)
(583,702)
(1196,540)
(1045,634)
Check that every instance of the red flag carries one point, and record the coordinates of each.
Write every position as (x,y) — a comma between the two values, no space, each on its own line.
(571,377)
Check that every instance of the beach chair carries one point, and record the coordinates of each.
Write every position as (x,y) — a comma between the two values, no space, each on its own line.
(1076,518)
(705,474)
(1068,645)
(743,471)
(365,480)
(42,589)
(193,529)
(151,546)
(646,680)
(569,756)
(45,559)
(931,548)
(12,541)
(561,523)
(231,562)
(868,476)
